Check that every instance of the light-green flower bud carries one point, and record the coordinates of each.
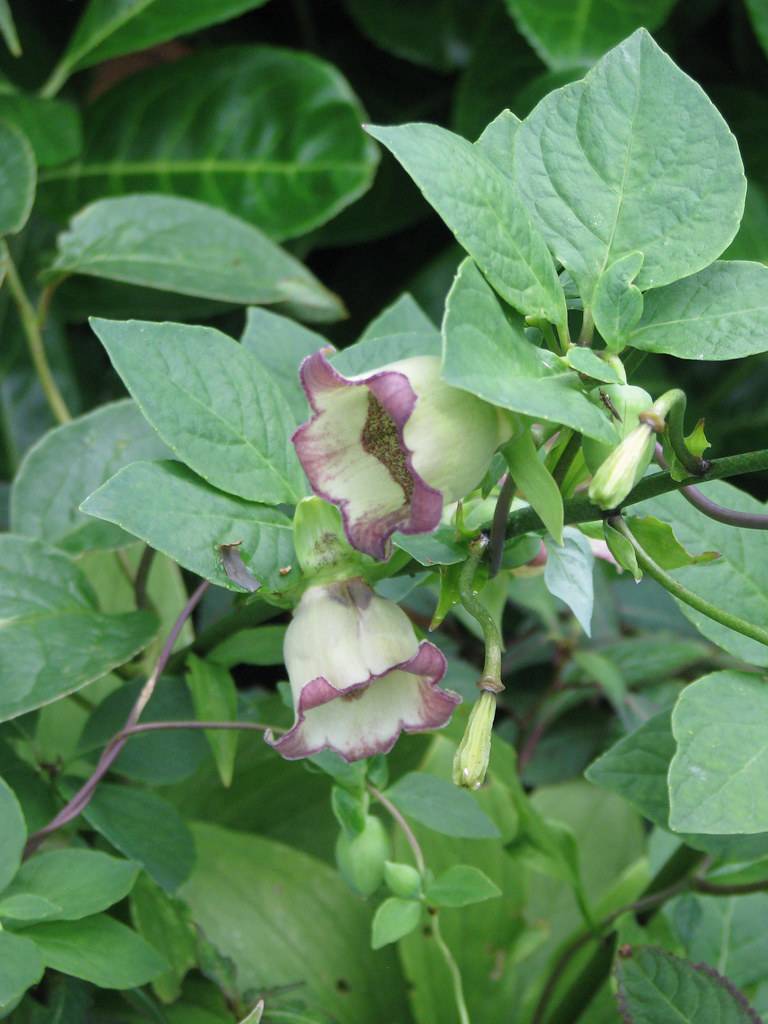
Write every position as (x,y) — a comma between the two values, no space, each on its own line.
(623,468)
(470,764)
(361,858)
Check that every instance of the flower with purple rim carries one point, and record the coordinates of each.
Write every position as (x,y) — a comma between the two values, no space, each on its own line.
(392,446)
(359,677)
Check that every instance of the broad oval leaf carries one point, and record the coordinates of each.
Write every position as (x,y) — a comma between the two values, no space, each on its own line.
(271,135)
(176,512)
(719,313)
(574,33)
(488,354)
(441,806)
(394,919)
(655,986)
(53,640)
(605,171)
(21,966)
(460,886)
(568,575)
(213,404)
(98,949)
(474,198)
(13,835)
(71,461)
(182,246)
(18,174)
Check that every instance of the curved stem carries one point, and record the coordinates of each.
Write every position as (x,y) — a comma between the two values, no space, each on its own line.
(478,611)
(676,402)
(581,510)
(684,594)
(737,889)
(499,525)
(82,797)
(453,967)
(33,334)
(404,827)
(141,579)
(729,516)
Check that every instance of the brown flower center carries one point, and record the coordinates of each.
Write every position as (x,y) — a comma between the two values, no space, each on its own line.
(380,438)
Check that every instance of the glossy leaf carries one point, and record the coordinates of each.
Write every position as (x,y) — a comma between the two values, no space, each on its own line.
(21,966)
(460,886)
(214,696)
(78,882)
(605,171)
(52,127)
(176,512)
(285,182)
(212,403)
(719,313)
(13,835)
(728,931)
(146,829)
(279,914)
(568,575)
(18,174)
(69,462)
(53,638)
(98,949)
(179,245)
(473,197)
(394,919)
(109,28)
(719,724)
(441,806)
(654,985)
(488,354)
(574,33)
(737,580)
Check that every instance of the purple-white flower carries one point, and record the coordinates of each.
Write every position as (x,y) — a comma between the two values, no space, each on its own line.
(359,677)
(390,447)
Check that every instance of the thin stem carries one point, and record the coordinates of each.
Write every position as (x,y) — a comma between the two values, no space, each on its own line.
(737,889)
(453,967)
(135,730)
(729,516)
(684,594)
(142,577)
(499,525)
(33,334)
(581,510)
(404,827)
(492,669)
(83,796)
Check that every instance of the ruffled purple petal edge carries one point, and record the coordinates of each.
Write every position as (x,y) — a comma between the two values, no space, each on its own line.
(428,662)
(393,390)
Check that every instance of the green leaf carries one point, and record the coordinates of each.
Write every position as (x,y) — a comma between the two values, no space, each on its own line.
(214,696)
(110,28)
(18,175)
(726,931)
(146,829)
(535,482)
(176,512)
(97,949)
(164,923)
(394,919)
(281,344)
(574,33)
(737,580)
(715,778)
(279,915)
(758,14)
(179,245)
(24,906)
(588,362)
(659,541)
(8,29)
(211,402)
(622,550)
(441,806)
(618,303)
(751,242)
(78,882)
(435,33)
(605,171)
(475,200)
(568,575)
(656,986)
(21,966)
(400,331)
(262,645)
(437,548)
(13,835)
(402,880)
(719,313)
(487,353)
(69,462)
(53,640)
(51,126)
(498,138)
(460,886)
(169,129)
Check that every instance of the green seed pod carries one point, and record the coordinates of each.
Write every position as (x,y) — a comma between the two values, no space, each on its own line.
(361,858)
(628,401)
(402,880)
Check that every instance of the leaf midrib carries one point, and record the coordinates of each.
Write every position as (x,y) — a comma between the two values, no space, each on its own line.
(197,166)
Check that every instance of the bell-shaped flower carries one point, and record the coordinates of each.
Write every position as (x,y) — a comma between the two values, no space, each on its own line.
(358,675)
(390,447)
